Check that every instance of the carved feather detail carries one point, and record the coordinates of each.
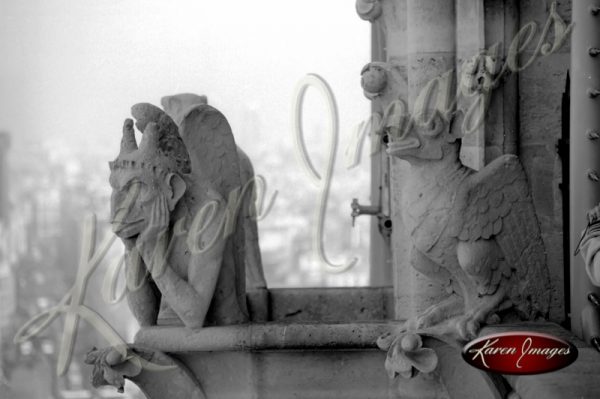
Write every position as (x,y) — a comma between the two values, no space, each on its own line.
(214,158)
(495,204)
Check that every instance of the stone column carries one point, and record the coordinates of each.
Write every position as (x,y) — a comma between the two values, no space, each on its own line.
(584,148)
(421,41)
(485,30)
(431,45)
(416,39)
(384,82)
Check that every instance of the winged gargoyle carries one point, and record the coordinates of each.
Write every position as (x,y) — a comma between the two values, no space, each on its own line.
(179,206)
(476,233)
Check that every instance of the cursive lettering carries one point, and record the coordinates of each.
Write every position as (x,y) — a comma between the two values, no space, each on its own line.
(489,349)
(313,80)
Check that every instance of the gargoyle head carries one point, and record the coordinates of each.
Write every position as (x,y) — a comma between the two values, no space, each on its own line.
(141,175)
(424,136)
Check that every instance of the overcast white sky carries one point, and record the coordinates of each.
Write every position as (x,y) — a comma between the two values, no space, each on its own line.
(71,69)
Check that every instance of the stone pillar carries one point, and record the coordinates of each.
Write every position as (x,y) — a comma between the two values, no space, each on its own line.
(417,44)
(470,37)
(384,82)
(431,33)
(584,149)
(485,30)
(541,82)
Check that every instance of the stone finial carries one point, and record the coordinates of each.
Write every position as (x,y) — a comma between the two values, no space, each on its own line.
(373,79)
(369,10)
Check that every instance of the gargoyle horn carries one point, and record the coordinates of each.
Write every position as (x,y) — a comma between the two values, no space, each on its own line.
(149,143)
(128,143)
(144,113)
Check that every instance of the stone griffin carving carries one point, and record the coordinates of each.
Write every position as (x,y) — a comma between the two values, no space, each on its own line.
(476,233)
(179,206)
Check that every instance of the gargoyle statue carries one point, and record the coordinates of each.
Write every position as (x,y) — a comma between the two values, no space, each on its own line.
(476,233)
(179,206)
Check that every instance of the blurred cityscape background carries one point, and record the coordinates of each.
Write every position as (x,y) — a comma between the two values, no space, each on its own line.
(71,70)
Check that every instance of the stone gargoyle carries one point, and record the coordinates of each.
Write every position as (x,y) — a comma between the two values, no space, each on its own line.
(476,233)
(180,206)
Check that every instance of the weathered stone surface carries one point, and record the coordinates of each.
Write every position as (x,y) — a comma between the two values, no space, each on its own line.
(429,28)
(331,304)
(264,336)
(555,255)
(291,374)
(544,177)
(538,12)
(541,86)
(264,361)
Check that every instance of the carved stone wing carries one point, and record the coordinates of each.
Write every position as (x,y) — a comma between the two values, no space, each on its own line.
(486,197)
(495,203)
(213,153)
(216,159)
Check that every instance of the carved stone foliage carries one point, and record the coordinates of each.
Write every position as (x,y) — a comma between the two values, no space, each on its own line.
(425,366)
(373,79)
(475,233)
(181,203)
(159,376)
(407,356)
(111,366)
(480,74)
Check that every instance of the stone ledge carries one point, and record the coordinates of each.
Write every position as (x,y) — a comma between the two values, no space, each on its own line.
(264,336)
(331,305)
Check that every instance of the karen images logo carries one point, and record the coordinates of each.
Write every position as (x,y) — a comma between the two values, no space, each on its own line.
(519,353)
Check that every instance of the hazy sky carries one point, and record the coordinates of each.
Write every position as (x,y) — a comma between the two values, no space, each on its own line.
(71,69)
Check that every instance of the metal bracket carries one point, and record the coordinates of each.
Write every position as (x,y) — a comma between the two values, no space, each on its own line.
(384,221)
